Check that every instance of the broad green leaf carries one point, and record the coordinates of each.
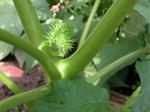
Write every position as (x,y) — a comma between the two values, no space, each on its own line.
(9,20)
(112,51)
(143,68)
(7,13)
(73,96)
(5,49)
(134,25)
(142,103)
(75,22)
(42,9)
(77,4)
(143,7)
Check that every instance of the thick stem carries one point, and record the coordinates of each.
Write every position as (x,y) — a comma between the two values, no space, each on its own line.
(89,22)
(24,97)
(130,100)
(31,24)
(30,21)
(104,74)
(97,38)
(48,63)
(10,84)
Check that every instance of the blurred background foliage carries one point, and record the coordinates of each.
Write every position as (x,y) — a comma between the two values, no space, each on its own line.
(132,34)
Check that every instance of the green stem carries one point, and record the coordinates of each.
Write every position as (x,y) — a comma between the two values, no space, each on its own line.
(48,63)
(103,31)
(10,84)
(30,21)
(31,24)
(89,22)
(130,100)
(24,97)
(32,27)
(104,74)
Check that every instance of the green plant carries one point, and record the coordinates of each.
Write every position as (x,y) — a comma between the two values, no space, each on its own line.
(64,92)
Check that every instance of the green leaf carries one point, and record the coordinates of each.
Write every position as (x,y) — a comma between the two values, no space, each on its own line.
(77,4)
(5,49)
(10,22)
(142,103)
(143,68)
(9,19)
(73,96)
(134,25)
(143,7)
(42,9)
(111,51)
(75,22)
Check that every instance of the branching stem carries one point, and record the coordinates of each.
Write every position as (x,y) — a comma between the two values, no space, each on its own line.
(30,21)
(31,24)
(47,62)
(103,31)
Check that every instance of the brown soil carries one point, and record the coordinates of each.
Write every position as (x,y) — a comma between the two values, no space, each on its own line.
(27,82)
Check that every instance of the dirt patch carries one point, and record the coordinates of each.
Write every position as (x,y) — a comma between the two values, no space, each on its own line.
(28,81)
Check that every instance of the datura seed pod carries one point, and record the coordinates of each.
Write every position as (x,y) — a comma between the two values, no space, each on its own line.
(59,37)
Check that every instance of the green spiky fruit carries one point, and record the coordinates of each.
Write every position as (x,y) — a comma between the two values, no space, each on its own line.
(59,37)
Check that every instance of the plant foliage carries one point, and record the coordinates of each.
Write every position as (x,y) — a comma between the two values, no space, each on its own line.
(118,36)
